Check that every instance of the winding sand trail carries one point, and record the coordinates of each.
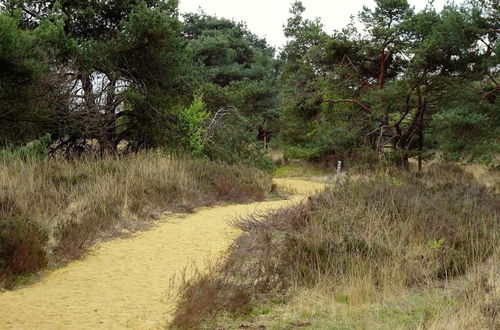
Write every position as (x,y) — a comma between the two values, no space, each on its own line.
(123,283)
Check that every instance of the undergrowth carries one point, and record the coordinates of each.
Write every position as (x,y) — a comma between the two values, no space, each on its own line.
(366,244)
(53,210)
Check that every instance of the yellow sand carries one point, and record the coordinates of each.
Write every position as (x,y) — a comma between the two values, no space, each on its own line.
(124,283)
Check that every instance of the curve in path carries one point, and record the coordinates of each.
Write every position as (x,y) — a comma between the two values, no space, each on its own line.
(123,283)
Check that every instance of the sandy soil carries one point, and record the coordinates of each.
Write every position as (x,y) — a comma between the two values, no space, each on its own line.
(126,283)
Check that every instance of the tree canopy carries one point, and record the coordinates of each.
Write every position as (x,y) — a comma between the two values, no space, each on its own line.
(398,82)
(409,81)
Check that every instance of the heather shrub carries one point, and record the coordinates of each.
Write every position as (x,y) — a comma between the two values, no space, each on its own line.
(22,248)
(83,201)
(390,233)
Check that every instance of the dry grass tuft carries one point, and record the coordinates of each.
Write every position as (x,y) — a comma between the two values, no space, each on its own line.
(54,210)
(362,242)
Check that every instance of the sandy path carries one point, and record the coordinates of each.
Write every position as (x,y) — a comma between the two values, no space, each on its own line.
(123,283)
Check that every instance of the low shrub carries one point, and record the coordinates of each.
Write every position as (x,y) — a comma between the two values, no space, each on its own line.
(80,202)
(392,232)
(230,183)
(22,248)
(35,150)
(233,141)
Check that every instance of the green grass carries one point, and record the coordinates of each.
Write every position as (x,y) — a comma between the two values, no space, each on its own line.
(299,169)
(310,309)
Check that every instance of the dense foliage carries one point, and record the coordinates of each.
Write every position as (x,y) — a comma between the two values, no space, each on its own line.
(129,75)
(235,71)
(406,81)
(111,67)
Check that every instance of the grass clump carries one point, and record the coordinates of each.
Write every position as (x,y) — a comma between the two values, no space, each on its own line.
(53,210)
(367,246)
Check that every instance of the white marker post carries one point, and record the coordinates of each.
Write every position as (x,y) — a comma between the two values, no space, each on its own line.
(339,171)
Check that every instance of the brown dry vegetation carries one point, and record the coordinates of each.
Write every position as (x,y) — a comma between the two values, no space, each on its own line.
(52,211)
(390,251)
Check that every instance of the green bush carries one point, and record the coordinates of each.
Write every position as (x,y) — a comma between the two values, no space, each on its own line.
(35,150)
(234,142)
(190,127)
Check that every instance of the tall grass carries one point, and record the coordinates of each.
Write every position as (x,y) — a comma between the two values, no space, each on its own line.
(362,241)
(53,210)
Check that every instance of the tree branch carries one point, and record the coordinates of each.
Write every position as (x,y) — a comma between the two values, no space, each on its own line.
(488,93)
